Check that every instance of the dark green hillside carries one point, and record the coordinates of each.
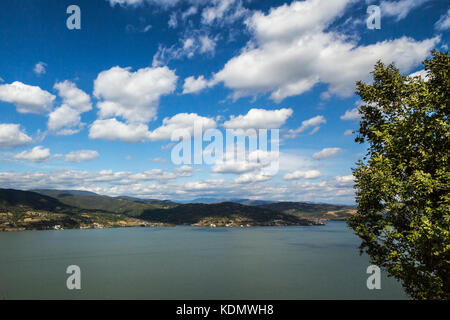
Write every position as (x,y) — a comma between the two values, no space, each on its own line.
(156,202)
(26,210)
(32,200)
(248,202)
(221,214)
(98,202)
(312,210)
(53,193)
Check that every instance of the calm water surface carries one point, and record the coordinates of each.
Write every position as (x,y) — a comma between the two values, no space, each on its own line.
(189,263)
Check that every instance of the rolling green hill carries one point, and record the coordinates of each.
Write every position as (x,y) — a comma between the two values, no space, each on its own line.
(221,214)
(125,205)
(32,200)
(156,202)
(43,209)
(312,210)
(26,210)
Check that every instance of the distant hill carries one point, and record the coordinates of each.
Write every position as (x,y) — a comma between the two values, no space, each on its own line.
(73,192)
(43,209)
(125,205)
(248,202)
(308,210)
(156,202)
(32,200)
(27,210)
(312,210)
(221,214)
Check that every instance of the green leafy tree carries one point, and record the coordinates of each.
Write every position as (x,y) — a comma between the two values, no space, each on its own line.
(402,184)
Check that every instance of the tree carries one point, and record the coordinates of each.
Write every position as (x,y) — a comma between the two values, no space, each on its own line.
(402,183)
(13,214)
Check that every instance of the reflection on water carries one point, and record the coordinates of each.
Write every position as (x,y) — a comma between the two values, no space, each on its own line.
(318,262)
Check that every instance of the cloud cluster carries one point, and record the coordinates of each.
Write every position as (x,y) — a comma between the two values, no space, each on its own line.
(136,3)
(233,166)
(66,119)
(133,96)
(37,154)
(11,136)
(113,130)
(163,185)
(399,9)
(194,85)
(60,179)
(443,23)
(352,115)
(314,123)
(26,98)
(292,49)
(41,154)
(81,156)
(298,174)
(223,11)
(326,153)
(181,122)
(259,119)
(194,42)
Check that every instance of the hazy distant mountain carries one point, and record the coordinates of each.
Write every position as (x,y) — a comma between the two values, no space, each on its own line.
(149,201)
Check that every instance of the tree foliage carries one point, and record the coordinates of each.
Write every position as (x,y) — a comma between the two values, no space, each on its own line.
(402,184)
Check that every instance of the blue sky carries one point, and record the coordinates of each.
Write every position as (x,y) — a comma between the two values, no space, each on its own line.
(94,108)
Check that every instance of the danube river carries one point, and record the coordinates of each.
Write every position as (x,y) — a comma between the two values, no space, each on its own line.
(316,262)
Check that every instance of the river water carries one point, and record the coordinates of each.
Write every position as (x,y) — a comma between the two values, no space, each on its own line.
(183,262)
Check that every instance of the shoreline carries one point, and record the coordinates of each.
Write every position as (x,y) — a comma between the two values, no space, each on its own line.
(163,225)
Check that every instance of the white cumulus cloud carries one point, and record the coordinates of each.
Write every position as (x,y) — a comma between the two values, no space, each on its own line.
(39,68)
(37,154)
(81,155)
(134,96)
(66,119)
(194,85)
(298,174)
(292,50)
(352,114)
(181,121)
(253,178)
(223,11)
(326,153)
(444,22)
(259,119)
(11,136)
(313,123)
(399,9)
(113,129)
(26,98)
